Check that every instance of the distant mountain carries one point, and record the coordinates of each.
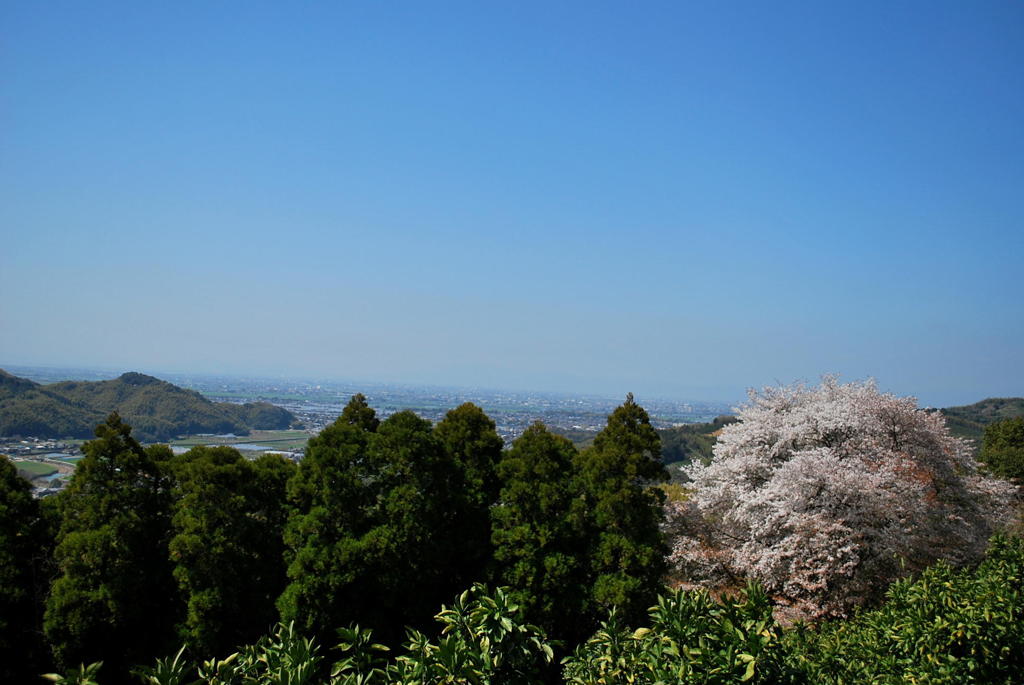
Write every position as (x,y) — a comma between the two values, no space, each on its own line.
(156,409)
(969,421)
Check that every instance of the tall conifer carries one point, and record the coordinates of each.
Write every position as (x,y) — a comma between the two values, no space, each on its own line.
(626,545)
(114,598)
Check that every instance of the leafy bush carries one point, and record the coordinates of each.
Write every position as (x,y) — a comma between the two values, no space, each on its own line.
(692,639)
(483,641)
(947,626)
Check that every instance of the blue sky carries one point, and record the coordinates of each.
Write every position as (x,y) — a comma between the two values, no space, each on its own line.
(678,199)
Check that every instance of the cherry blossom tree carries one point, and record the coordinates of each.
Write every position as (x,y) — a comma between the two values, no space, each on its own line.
(826,494)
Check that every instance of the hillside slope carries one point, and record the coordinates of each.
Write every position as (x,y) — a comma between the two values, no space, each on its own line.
(27,408)
(156,410)
(969,421)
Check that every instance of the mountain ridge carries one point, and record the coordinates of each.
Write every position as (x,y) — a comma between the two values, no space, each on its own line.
(156,409)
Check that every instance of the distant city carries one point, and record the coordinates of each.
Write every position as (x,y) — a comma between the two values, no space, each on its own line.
(319,402)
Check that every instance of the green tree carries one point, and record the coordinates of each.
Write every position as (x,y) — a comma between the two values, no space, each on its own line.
(227,544)
(370,506)
(331,494)
(360,414)
(1002,448)
(413,497)
(24,545)
(538,532)
(626,546)
(114,597)
(473,448)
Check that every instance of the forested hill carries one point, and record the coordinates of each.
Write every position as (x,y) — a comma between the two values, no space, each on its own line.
(27,408)
(157,410)
(969,421)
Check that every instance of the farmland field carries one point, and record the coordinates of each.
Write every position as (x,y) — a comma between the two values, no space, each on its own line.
(273,440)
(35,468)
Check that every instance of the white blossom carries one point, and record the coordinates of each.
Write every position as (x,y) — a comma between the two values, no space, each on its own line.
(827,494)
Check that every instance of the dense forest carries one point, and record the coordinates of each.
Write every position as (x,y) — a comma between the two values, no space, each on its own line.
(156,409)
(398,551)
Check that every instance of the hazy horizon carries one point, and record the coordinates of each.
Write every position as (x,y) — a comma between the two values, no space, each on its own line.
(89,372)
(366,385)
(681,201)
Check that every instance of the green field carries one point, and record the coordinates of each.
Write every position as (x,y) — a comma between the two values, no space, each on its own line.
(275,440)
(35,468)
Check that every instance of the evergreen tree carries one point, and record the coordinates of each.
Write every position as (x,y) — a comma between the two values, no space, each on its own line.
(472,448)
(360,414)
(626,546)
(537,532)
(331,494)
(373,503)
(114,599)
(24,545)
(227,544)
(414,497)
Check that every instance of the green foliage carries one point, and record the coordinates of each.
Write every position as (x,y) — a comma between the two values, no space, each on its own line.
(379,522)
(1002,448)
(331,498)
(227,544)
(114,596)
(538,531)
(691,639)
(358,413)
(363,662)
(25,543)
(284,658)
(167,671)
(627,549)
(413,495)
(947,626)
(362,542)
(484,641)
(83,675)
(471,448)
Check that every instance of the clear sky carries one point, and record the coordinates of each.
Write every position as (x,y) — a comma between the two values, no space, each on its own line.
(678,199)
